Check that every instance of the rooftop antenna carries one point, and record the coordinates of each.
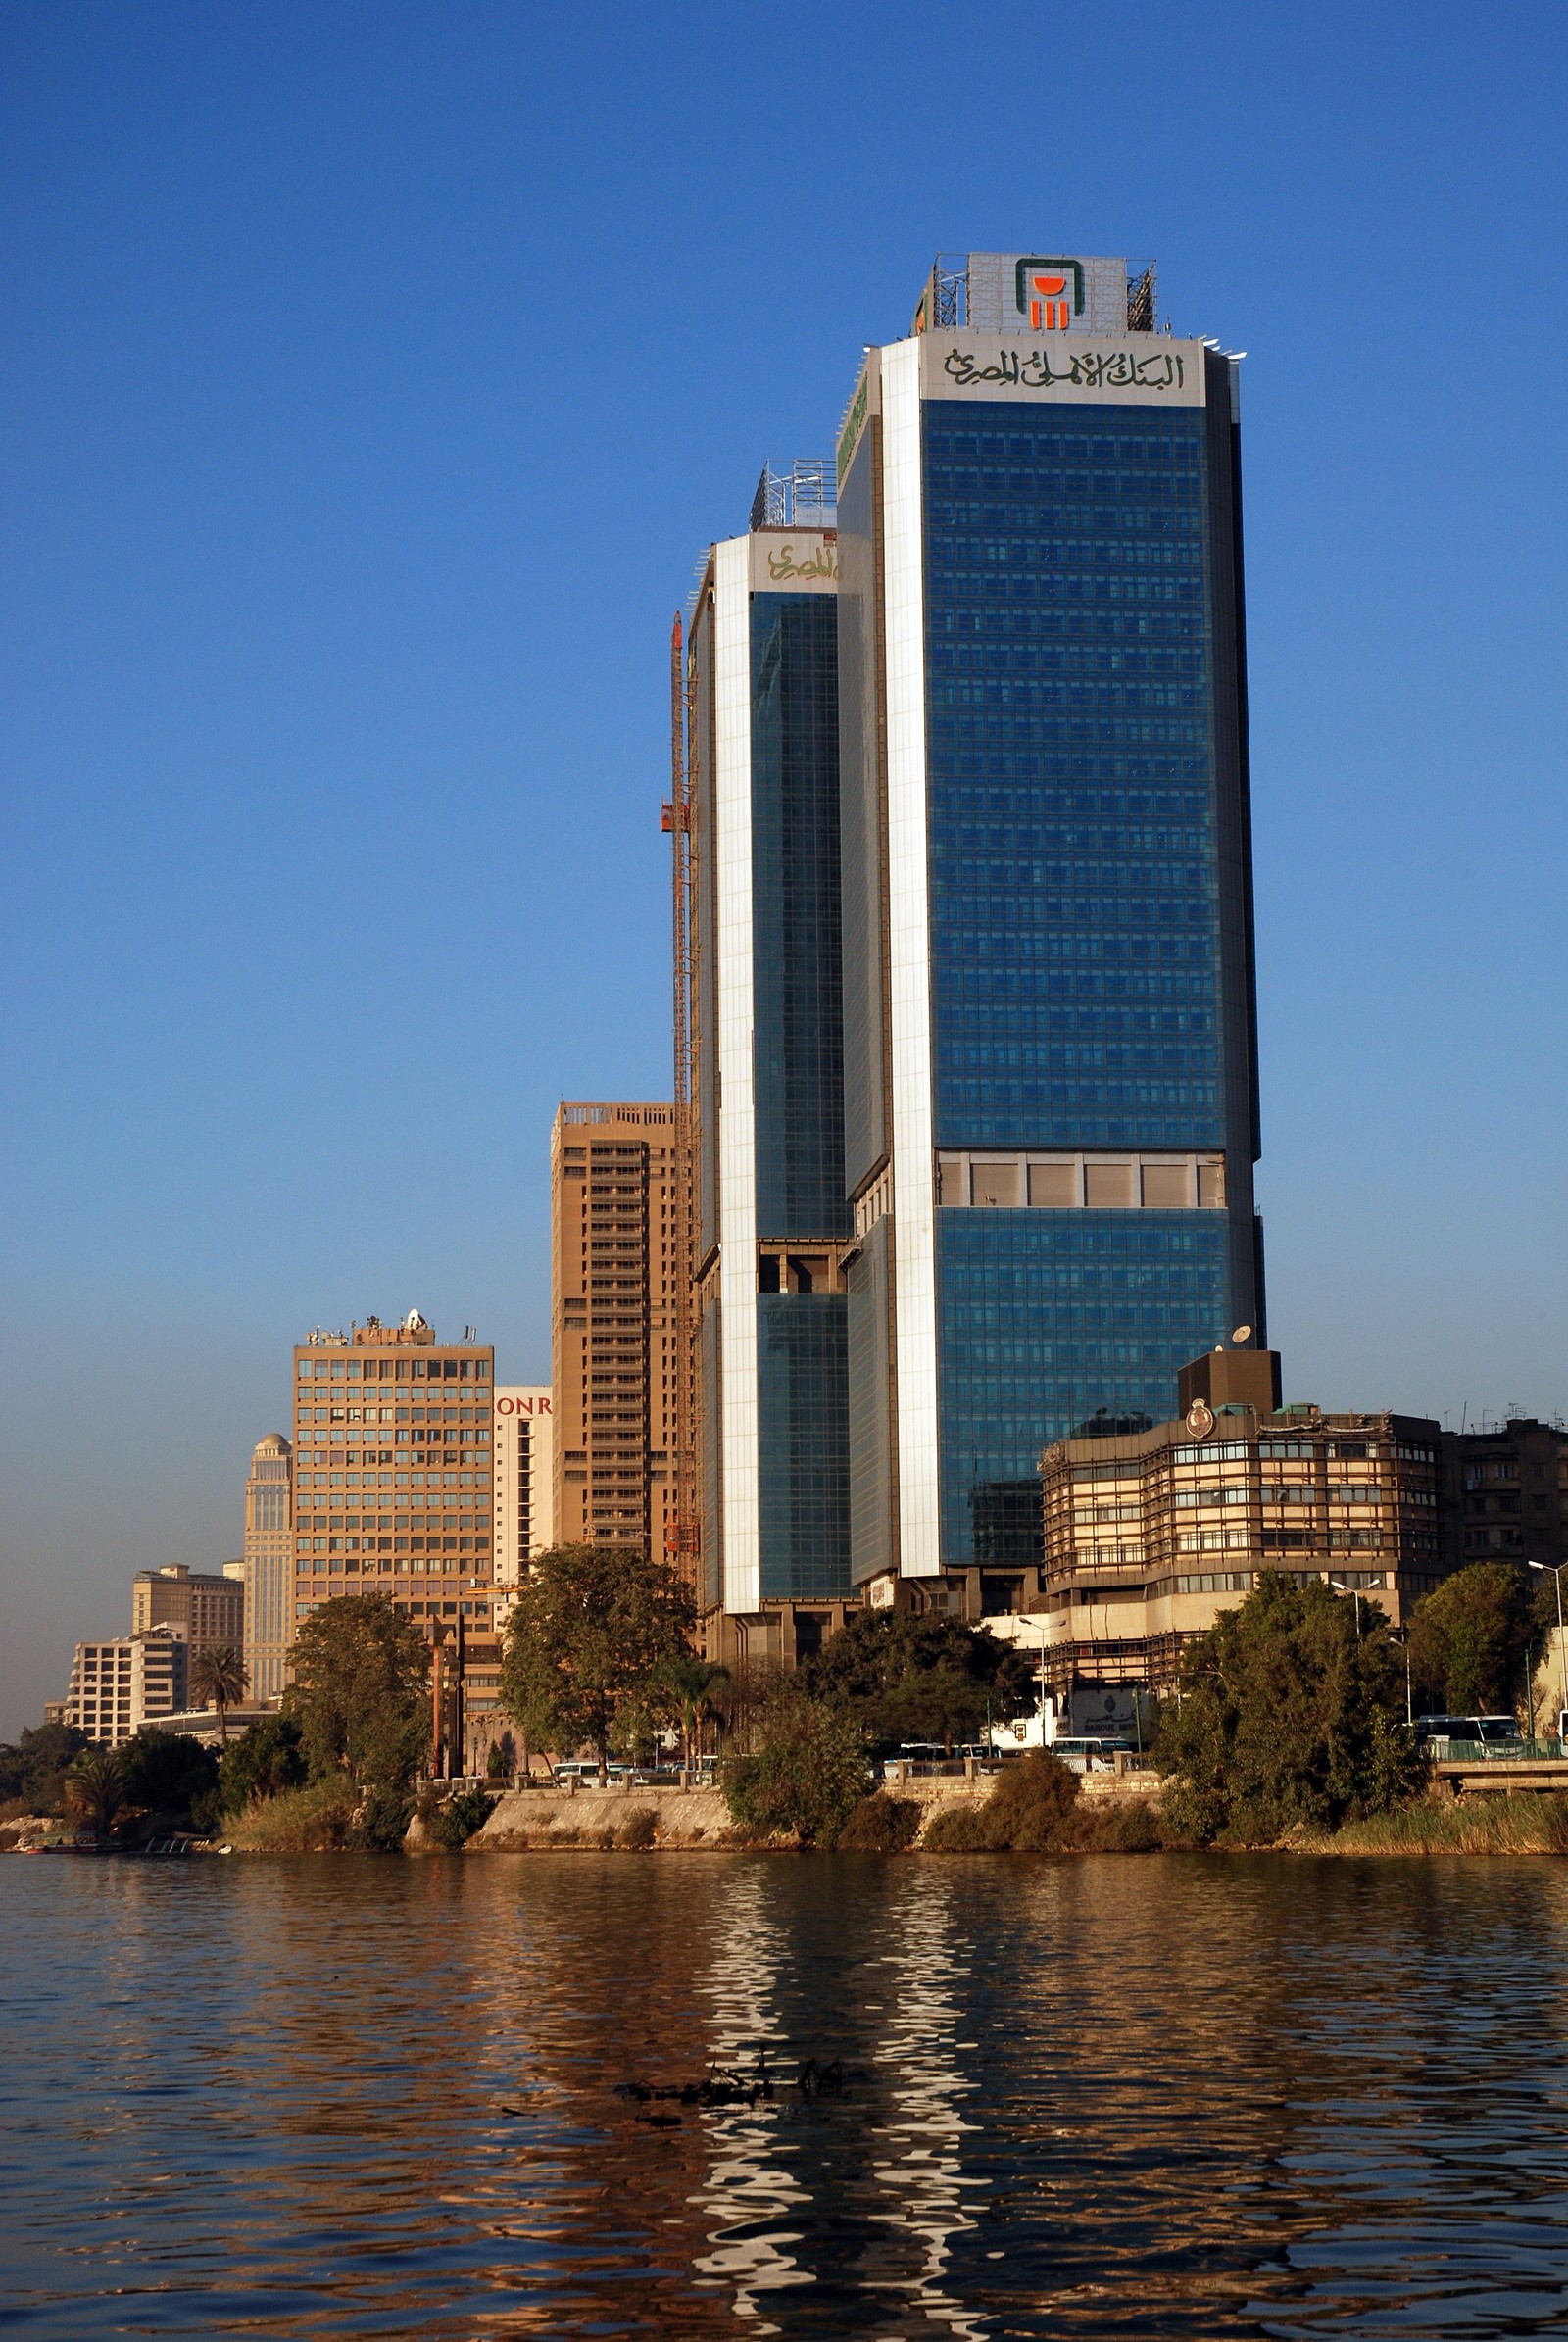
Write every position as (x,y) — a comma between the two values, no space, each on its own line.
(1241,1333)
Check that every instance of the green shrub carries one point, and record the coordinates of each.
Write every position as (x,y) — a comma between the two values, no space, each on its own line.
(453,1821)
(318,1819)
(1491,1822)
(639,1829)
(208,1813)
(881,1824)
(161,1770)
(1121,1826)
(1030,1810)
(32,1774)
(806,1777)
(267,1759)
(1291,1715)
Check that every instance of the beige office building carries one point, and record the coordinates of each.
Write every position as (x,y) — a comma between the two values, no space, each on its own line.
(392,1470)
(269,1568)
(524,1482)
(116,1687)
(205,1610)
(613,1197)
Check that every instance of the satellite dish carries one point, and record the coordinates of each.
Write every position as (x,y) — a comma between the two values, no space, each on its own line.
(414,1322)
(1243,1334)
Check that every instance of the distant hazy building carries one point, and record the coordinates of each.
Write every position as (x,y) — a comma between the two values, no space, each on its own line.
(268,1567)
(116,1687)
(1507,1493)
(205,1610)
(524,1481)
(612,1197)
(773,1224)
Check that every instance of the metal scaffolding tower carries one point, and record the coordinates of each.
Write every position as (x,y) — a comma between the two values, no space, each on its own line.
(683,1536)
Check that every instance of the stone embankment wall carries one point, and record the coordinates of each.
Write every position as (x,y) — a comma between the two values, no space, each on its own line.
(597,1820)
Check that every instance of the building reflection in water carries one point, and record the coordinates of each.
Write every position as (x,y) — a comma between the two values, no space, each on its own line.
(920,2068)
(747,2184)
(859,2196)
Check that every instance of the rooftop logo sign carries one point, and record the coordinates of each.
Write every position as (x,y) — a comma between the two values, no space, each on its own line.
(1042,292)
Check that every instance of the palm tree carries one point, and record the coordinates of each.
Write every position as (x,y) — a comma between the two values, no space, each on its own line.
(220,1679)
(95,1788)
(685,1686)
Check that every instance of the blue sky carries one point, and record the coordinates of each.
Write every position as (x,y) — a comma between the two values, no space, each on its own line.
(376,374)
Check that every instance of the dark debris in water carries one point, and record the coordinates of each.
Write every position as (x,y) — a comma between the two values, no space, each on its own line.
(724,2087)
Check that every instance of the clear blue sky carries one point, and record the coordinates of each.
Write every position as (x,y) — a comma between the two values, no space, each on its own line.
(375,375)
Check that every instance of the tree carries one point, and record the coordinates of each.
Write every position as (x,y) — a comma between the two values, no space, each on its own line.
(1468,1638)
(903,1677)
(685,1688)
(266,1760)
(1287,1714)
(220,1679)
(584,1640)
(807,1771)
(164,1770)
(360,1694)
(95,1788)
(32,1772)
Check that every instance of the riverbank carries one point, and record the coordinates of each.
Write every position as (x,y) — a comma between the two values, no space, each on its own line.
(1493,1823)
(640,1819)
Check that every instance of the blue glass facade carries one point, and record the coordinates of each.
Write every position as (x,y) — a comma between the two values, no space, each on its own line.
(1074,867)
(1046,1319)
(803,1445)
(791,1219)
(1088,911)
(798,992)
(802,1386)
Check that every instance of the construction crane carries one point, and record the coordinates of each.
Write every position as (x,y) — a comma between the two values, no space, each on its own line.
(682,1534)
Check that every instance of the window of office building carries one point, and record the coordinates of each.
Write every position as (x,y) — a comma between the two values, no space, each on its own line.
(1075,905)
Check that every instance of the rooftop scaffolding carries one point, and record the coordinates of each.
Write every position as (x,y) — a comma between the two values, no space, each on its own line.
(802,496)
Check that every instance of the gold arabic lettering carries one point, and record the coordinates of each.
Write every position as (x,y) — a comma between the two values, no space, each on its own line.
(783,563)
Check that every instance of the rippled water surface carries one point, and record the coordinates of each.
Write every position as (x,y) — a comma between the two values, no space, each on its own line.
(1164,2096)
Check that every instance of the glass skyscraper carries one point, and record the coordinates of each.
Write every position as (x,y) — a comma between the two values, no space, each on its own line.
(1050,1057)
(773,1220)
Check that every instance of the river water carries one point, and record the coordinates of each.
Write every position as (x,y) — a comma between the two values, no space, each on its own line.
(1166,2095)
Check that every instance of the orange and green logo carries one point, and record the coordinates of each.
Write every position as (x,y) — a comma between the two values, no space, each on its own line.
(1042,292)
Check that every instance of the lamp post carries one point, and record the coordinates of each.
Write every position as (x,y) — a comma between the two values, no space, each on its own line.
(1401,1635)
(1355,1597)
(1562,1648)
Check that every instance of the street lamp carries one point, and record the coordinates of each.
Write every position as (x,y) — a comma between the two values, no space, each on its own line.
(1562,1648)
(1401,1635)
(1355,1597)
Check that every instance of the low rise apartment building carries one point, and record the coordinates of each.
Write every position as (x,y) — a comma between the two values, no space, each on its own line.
(117,1687)
(1149,1534)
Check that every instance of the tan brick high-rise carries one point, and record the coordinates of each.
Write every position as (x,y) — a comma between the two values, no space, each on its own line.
(392,1471)
(612,1195)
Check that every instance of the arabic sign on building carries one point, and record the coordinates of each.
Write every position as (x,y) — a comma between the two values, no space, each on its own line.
(794,560)
(1137,371)
(866,401)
